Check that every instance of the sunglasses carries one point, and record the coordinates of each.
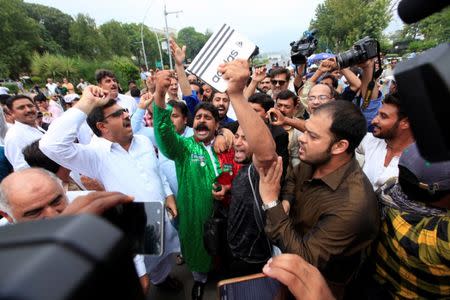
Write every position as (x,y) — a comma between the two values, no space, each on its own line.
(280,82)
(117,113)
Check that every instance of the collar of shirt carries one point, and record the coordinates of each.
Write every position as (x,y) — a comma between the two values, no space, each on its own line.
(108,145)
(28,127)
(335,178)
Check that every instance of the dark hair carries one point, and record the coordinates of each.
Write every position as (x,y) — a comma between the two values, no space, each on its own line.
(35,158)
(262,99)
(135,92)
(131,81)
(348,122)
(102,73)
(410,186)
(3,98)
(209,107)
(97,115)
(288,94)
(10,101)
(40,98)
(279,71)
(180,105)
(394,99)
(334,82)
(214,92)
(200,89)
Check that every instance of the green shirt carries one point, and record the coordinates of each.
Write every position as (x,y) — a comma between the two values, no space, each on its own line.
(197,169)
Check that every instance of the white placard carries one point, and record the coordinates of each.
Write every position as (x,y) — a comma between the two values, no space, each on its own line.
(224,45)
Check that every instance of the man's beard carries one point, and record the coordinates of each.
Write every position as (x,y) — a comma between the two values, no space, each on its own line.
(390,133)
(323,159)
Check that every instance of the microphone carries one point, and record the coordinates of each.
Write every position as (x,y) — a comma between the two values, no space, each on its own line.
(412,11)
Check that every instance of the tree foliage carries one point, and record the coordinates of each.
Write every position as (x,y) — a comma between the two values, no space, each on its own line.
(429,32)
(20,37)
(343,22)
(193,40)
(54,26)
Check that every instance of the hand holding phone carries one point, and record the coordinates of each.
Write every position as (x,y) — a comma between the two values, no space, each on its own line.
(252,287)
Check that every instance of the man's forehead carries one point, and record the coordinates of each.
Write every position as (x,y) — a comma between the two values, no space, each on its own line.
(203,111)
(319,122)
(286,101)
(21,101)
(111,109)
(108,78)
(319,89)
(280,76)
(221,96)
(388,109)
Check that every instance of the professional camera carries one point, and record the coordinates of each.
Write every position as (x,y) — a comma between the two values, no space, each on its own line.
(304,47)
(362,50)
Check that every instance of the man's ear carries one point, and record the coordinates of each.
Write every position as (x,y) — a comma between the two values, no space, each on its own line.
(404,124)
(7,217)
(339,147)
(101,127)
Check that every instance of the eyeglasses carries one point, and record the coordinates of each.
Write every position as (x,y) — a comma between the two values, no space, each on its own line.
(117,113)
(320,98)
(280,82)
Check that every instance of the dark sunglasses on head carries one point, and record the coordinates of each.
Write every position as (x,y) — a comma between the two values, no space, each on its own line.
(280,82)
(117,113)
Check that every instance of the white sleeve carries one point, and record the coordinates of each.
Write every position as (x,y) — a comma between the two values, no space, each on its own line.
(13,152)
(58,143)
(139,265)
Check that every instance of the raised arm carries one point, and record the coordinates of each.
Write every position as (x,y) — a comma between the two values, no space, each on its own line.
(257,77)
(59,141)
(256,132)
(179,54)
(169,142)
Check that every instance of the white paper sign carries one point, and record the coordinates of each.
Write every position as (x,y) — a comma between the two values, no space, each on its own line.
(224,45)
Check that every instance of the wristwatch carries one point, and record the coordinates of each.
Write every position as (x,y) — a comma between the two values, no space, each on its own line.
(270,205)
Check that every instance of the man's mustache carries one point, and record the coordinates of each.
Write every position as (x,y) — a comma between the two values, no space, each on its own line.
(201,127)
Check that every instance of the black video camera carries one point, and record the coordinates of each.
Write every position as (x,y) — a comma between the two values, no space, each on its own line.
(304,47)
(362,50)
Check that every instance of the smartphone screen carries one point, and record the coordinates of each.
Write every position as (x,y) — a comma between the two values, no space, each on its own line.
(252,287)
(142,224)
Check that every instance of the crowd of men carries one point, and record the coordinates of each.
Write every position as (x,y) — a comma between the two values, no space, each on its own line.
(293,160)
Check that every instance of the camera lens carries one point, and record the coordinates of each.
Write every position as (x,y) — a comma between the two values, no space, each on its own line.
(349,58)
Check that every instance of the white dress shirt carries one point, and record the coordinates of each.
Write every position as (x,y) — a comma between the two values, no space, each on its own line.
(134,172)
(374,151)
(127,102)
(18,137)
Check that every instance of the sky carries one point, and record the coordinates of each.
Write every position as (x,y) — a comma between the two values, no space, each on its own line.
(271,25)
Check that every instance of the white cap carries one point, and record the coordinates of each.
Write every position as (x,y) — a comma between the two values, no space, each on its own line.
(69,98)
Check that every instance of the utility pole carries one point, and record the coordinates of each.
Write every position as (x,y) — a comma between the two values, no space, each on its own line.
(167,31)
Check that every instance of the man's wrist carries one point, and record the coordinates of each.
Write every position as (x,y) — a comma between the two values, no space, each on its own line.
(270,204)
(85,106)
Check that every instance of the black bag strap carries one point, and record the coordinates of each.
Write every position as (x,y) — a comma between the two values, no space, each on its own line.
(259,213)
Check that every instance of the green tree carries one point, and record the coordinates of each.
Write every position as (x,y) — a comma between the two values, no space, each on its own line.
(193,40)
(116,38)
(53,66)
(85,39)
(54,24)
(150,43)
(20,37)
(430,32)
(343,22)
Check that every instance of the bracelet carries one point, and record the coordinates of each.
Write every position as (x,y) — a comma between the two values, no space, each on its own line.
(270,205)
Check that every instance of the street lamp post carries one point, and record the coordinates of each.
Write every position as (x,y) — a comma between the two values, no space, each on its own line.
(167,32)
